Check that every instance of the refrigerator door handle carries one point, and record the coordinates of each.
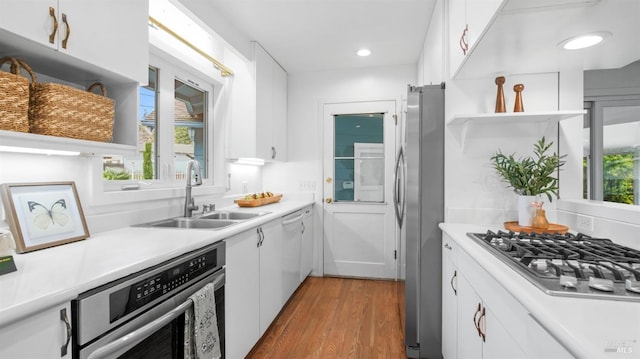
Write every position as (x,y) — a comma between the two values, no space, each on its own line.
(398,187)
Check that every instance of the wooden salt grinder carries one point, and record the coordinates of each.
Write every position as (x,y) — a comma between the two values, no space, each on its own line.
(518,107)
(500,106)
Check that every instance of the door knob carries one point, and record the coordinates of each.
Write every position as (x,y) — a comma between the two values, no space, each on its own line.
(328,200)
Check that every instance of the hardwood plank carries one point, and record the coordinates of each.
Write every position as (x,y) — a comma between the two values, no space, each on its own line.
(337,318)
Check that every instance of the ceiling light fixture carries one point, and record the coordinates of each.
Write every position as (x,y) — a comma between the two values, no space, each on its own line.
(584,41)
(364,52)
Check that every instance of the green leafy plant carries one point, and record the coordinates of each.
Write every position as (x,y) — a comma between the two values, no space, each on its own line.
(112,174)
(530,176)
(147,165)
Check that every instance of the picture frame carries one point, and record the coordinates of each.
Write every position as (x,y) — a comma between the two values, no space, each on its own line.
(42,215)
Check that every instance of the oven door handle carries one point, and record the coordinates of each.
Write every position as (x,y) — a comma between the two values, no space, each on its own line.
(135,337)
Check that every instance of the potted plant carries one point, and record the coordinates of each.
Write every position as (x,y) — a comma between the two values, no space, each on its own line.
(530,177)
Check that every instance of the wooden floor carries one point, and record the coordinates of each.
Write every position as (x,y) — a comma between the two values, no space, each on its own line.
(337,318)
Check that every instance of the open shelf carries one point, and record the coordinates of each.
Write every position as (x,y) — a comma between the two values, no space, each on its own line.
(86,148)
(461,124)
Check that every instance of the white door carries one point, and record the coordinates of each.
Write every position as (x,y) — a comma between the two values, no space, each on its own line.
(359,218)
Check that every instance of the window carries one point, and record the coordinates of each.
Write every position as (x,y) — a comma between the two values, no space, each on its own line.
(611,157)
(173,128)
(359,158)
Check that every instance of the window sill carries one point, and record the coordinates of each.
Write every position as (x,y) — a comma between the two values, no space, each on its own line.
(626,213)
(151,194)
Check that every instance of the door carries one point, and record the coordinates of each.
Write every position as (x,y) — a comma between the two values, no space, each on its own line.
(359,217)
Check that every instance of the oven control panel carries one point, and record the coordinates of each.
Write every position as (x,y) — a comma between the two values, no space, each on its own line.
(164,283)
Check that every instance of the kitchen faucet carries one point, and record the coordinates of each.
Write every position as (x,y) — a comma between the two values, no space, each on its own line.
(193,166)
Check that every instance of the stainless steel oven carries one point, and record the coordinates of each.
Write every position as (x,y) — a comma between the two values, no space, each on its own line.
(142,315)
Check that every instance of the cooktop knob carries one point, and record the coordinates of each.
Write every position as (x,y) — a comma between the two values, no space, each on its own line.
(605,285)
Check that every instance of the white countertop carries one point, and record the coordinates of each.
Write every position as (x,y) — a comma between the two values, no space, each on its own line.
(584,326)
(56,275)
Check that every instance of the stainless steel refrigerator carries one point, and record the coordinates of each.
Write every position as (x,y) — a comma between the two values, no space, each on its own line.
(423,154)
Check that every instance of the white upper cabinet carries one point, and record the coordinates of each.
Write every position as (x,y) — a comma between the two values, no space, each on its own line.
(468,19)
(271,107)
(78,43)
(524,36)
(110,35)
(259,121)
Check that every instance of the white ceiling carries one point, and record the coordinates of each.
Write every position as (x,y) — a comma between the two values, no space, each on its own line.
(312,35)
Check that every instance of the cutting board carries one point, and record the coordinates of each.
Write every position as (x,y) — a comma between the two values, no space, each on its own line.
(553,228)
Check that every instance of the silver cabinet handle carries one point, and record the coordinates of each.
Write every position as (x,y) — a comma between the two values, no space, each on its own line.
(273,153)
(447,246)
(303,228)
(260,236)
(455,275)
(65,319)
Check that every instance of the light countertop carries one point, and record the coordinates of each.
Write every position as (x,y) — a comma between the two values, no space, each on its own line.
(584,326)
(52,276)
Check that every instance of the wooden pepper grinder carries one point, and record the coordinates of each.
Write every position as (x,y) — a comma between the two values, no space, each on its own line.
(500,106)
(519,107)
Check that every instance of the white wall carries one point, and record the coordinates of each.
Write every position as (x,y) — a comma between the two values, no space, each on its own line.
(473,191)
(307,92)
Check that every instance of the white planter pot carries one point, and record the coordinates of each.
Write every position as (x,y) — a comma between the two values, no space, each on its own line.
(526,210)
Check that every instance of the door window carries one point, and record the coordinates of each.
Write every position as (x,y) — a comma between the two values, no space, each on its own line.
(359,158)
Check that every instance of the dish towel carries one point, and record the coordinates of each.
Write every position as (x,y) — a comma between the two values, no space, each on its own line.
(201,337)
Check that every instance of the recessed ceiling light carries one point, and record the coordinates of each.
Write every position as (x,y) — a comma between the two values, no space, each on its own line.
(584,41)
(364,52)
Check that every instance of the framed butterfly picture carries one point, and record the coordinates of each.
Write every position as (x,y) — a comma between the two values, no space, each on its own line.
(42,215)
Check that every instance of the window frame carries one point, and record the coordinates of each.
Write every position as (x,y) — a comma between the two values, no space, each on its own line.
(166,186)
(595,109)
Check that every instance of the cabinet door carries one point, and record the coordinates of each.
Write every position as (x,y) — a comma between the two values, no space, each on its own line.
(30,19)
(270,274)
(449,308)
(110,34)
(279,120)
(264,103)
(242,301)
(42,335)
(469,343)
(479,14)
(498,342)
(306,260)
(457,23)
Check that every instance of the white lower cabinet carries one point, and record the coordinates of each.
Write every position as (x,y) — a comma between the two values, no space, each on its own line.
(242,294)
(480,319)
(42,335)
(253,287)
(270,273)
(306,250)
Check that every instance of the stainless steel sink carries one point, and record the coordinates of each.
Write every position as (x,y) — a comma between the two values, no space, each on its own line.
(230,215)
(213,220)
(182,222)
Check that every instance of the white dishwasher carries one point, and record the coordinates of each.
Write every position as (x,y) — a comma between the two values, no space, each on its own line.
(291,246)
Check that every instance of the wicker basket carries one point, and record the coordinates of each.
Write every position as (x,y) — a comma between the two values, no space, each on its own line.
(63,111)
(14,97)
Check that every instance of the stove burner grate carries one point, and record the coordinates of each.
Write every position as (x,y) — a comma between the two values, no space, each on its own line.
(566,260)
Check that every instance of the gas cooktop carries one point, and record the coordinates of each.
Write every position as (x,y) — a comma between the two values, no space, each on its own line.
(569,265)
